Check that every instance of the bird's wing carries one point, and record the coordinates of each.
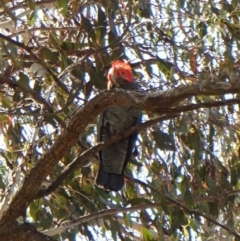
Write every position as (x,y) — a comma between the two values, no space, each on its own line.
(114,159)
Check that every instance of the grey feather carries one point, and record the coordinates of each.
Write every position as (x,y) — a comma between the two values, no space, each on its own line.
(114,159)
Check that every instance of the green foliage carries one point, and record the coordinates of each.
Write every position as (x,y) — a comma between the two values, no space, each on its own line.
(193,159)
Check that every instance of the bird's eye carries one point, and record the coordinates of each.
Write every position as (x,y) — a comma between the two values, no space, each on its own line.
(122,73)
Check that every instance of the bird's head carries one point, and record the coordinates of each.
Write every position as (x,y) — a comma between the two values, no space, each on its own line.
(118,73)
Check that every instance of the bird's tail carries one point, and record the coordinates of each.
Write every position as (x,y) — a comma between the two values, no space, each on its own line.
(109,181)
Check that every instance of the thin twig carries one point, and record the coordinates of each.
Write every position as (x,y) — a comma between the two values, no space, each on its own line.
(81,159)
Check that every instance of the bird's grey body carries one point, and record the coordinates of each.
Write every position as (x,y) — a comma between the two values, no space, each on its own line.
(114,159)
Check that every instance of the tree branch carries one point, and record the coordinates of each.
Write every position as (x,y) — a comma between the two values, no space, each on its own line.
(23,231)
(115,211)
(154,102)
(79,161)
(39,99)
(180,204)
(208,104)
(37,59)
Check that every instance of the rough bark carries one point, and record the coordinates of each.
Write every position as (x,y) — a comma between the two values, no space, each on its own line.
(22,232)
(157,102)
